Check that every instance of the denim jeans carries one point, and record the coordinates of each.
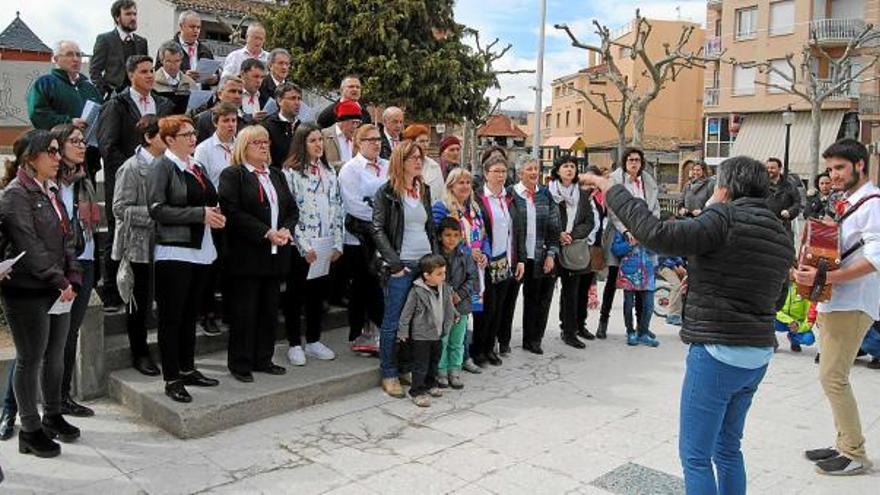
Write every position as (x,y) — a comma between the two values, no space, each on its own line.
(396,290)
(715,398)
(630,298)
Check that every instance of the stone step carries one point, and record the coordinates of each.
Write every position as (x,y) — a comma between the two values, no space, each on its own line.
(117,354)
(233,403)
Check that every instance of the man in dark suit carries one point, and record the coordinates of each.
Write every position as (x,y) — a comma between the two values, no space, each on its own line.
(390,130)
(351,91)
(190,24)
(279,69)
(118,138)
(282,124)
(252,99)
(113,48)
(229,90)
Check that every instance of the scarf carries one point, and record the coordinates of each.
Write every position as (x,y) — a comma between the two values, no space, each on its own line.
(571,194)
(88,211)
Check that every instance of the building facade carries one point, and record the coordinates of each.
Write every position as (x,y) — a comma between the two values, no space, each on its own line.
(743,115)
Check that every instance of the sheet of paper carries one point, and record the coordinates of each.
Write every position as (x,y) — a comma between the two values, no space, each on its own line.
(90,113)
(323,247)
(59,308)
(5,265)
(197,98)
(271,106)
(206,68)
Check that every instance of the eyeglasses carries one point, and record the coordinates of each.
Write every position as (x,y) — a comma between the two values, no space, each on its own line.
(634,159)
(186,135)
(414,158)
(260,142)
(53,150)
(371,140)
(497,171)
(76,141)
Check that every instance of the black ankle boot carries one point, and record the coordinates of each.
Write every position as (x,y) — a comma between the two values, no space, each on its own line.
(602,330)
(37,443)
(56,426)
(7,424)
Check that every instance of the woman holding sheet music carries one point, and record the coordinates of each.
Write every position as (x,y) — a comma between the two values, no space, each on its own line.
(34,221)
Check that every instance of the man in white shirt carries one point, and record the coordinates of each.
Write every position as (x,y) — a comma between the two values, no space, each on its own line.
(215,153)
(255,38)
(848,315)
(252,101)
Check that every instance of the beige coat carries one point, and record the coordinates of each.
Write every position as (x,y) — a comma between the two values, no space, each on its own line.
(185,83)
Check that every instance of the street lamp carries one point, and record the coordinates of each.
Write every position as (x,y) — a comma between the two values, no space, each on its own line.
(787,119)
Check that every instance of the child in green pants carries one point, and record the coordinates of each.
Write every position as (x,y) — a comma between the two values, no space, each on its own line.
(461,275)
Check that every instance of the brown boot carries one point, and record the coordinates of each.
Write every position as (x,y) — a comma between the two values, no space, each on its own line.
(391,386)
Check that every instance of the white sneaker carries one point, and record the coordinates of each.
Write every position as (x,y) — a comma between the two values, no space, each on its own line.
(320,351)
(296,356)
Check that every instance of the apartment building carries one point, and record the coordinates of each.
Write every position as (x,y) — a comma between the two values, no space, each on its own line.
(744,116)
(569,123)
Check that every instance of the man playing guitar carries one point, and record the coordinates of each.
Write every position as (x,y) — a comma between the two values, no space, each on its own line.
(846,317)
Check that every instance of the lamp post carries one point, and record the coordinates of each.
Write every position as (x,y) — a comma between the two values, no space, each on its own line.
(788,119)
(536,143)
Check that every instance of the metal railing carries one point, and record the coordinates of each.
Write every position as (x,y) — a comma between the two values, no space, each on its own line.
(836,30)
(869,104)
(712,47)
(711,96)
(220,48)
(848,92)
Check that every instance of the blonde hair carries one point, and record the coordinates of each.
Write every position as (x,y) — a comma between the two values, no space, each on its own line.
(361,133)
(449,199)
(247,135)
(396,174)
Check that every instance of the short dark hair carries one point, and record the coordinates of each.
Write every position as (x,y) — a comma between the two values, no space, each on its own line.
(250,64)
(147,126)
(448,223)
(284,88)
(819,177)
(559,162)
(848,149)
(135,60)
(118,6)
(630,151)
(430,262)
(222,108)
(594,169)
(744,177)
(775,160)
(170,46)
(491,149)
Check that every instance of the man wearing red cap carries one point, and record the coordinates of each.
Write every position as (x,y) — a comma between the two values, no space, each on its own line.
(450,154)
(350,89)
(339,138)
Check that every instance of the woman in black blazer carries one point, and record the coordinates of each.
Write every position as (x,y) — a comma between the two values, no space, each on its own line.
(260,213)
(576,223)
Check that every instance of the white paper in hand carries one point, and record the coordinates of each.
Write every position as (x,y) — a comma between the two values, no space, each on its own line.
(59,308)
(5,265)
(323,247)
(207,68)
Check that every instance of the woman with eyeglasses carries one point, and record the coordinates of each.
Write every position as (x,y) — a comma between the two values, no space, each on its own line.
(432,174)
(403,230)
(359,179)
(315,187)
(261,214)
(34,222)
(183,203)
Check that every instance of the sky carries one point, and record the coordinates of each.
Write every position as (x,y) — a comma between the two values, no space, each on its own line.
(512,21)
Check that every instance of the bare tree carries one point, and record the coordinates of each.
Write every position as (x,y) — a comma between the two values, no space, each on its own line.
(658,72)
(800,77)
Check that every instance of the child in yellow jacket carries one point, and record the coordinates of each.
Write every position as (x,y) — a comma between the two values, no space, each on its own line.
(793,319)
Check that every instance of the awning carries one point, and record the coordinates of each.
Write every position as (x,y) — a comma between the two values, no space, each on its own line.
(571,143)
(762,135)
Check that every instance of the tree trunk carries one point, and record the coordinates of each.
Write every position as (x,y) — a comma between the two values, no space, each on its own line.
(638,116)
(621,145)
(815,129)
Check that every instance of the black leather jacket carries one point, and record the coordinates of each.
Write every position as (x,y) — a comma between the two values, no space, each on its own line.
(169,207)
(387,228)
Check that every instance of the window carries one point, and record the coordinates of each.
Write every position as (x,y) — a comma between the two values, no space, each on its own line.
(579,117)
(558,116)
(547,119)
(718,27)
(567,113)
(718,138)
(782,17)
(743,80)
(746,23)
(774,77)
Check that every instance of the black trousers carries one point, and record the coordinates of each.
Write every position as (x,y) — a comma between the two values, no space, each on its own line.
(218,281)
(109,293)
(301,292)
(77,315)
(179,285)
(365,302)
(136,319)
(608,296)
(487,323)
(254,321)
(537,296)
(573,300)
(425,358)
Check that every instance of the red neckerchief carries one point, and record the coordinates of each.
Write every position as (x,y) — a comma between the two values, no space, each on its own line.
(375,166)
(841,206)
(265,173)
(530,194)
(414,192)
(197,173)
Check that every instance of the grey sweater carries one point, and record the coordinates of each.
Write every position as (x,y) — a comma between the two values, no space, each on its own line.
(428,313)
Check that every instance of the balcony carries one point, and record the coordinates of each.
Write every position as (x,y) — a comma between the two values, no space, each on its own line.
(712,47)
(869,104)
(849,92)
(711,96)
(829,32)
(713,4)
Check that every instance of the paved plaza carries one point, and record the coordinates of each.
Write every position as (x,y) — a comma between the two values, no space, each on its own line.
(599,421)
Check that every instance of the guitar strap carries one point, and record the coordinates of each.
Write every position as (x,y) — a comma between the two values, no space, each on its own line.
(858,245)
